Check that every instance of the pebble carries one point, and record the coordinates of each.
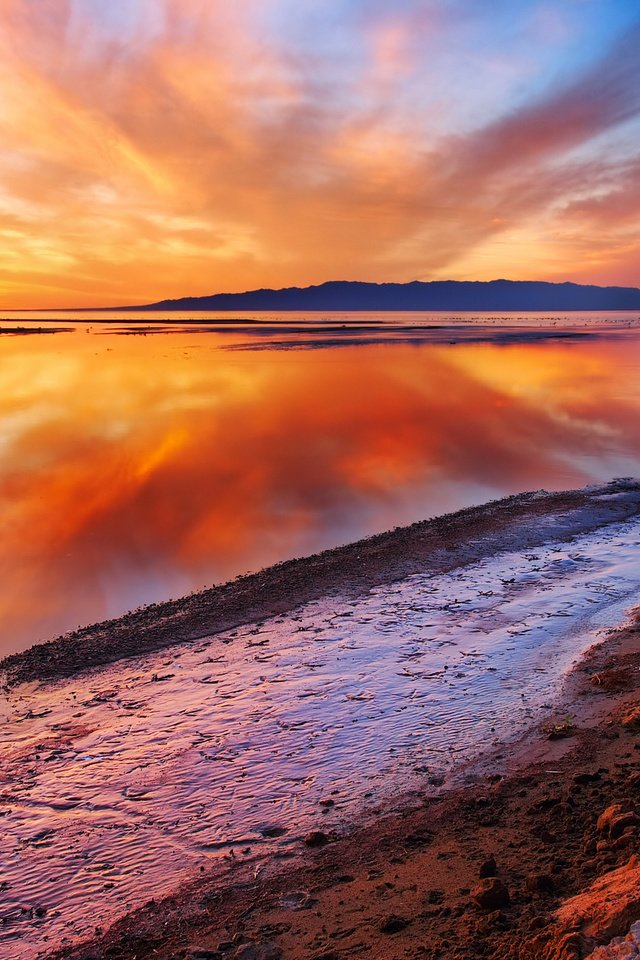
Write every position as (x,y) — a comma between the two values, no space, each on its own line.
(491,894)
(540,883)
(316,839)
(604,820)
(488,869)
(258,951)
(393,924)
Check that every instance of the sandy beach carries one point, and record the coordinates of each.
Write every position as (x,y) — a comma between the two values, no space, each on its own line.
(464,712)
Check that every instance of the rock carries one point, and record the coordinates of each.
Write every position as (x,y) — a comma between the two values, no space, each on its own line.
(571,946)
(491,894)
(628,838)
(607,908)
(540,883)
(316,839)
(619,824)
(488,869)
(604,820)
(203,953)
(631,720)
(418,839)
(393,924)
(259,951)
(583,778)
(546,836)
(272,831)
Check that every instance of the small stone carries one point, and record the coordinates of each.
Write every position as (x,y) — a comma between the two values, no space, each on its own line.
(259,951)
(491,894)
(628,838)
(604,820)
(619,824)
(631,720)
(587,777)
(393,924)
(546,836)
(540,883)
(272,831)
(488,869)
(316,839)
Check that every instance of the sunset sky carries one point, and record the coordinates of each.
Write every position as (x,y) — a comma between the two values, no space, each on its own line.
(158,148)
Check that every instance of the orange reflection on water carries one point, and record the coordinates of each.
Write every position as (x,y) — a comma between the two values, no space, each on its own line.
(135,469)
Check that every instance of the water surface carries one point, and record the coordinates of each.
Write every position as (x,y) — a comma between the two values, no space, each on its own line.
(140,467)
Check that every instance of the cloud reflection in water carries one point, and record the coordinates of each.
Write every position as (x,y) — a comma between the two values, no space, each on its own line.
(135,469)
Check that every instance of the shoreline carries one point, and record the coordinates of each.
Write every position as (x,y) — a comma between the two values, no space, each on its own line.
(482,864)
(406,884)
(437,545)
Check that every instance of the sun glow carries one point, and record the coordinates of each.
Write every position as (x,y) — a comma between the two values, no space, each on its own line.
(180,148)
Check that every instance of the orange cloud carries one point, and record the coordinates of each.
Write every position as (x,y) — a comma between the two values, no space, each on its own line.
(203,152)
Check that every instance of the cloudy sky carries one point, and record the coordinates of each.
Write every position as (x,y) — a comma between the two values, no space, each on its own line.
(155,148)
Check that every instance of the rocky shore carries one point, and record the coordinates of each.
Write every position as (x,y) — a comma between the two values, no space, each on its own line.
(537,858)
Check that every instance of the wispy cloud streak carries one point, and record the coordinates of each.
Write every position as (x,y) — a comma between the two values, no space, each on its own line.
(184,147)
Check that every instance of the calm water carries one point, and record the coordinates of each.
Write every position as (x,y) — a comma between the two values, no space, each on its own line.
(135,468)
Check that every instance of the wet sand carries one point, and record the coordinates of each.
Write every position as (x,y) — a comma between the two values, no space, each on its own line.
(518,864)
(360,885)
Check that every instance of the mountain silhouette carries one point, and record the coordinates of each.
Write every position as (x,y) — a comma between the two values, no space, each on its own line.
(339,295)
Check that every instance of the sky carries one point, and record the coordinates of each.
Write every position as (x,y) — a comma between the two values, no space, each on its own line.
(165,148)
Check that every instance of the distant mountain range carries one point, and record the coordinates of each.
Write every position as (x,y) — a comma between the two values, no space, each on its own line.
(339,295)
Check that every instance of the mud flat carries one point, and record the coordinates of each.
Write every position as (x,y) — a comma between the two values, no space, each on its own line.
(320,760)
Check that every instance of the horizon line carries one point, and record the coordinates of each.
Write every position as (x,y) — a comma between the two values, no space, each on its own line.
(315,286)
